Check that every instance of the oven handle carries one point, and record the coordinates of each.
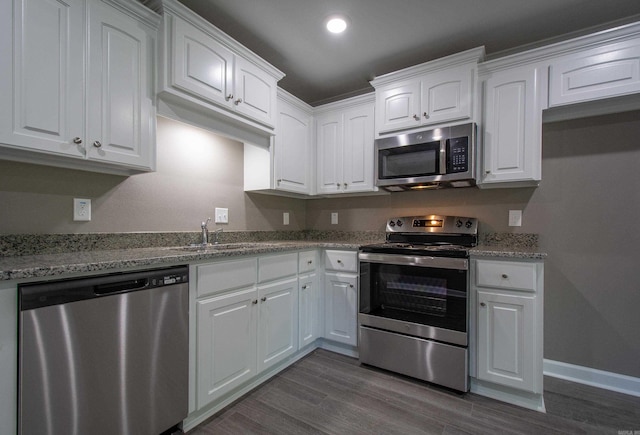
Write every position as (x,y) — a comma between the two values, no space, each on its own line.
(418,260)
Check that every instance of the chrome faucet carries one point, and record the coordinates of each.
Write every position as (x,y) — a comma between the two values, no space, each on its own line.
(205,232)
(215,235)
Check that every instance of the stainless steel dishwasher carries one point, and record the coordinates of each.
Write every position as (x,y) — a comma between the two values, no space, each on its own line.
(105,354)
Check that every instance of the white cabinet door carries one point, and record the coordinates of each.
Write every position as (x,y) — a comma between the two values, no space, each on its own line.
(358,152)
(277,332)
(255,92)
(446,95)
(507,340)
(226,343)
(293,149)
(512,127)
(599,73)
(341,299)
(201,66)
(42,75)
(329,129)
(308,309)
(120,100)
(398,106)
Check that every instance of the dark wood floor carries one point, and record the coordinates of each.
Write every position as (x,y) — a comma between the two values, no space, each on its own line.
(330,393)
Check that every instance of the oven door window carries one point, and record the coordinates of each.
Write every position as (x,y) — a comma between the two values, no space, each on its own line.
(409,161)
(428,296)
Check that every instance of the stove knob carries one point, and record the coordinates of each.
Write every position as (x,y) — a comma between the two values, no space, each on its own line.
(469,224)
(458,223)
(399,222)
(392,224)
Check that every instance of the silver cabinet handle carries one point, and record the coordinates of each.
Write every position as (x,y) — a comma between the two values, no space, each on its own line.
(304,287)
(338,185)
(426,115)
(97,144)
(350,285)
(238,101)
(310,262)
(255,301)
(345,185)
(264,299)
(505,276)
(229,97)
(487,171)
(77,140)
(416,117)
(482,304)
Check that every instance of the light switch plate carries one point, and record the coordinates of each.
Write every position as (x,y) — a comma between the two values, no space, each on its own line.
(222,216)
(515,218)
(81,209)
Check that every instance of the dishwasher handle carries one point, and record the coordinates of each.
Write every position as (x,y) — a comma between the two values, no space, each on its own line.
(121,286)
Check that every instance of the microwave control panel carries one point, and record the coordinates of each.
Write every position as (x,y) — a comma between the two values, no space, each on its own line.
(458,155)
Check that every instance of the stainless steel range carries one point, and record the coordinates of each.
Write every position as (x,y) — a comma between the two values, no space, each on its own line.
(414,293)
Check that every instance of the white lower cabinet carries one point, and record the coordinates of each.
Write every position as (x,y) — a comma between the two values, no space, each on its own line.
(226,340)
(509,304)
(308,299)
(278,322)
(341,296)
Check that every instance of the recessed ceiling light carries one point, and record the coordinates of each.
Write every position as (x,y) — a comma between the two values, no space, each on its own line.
(336,24)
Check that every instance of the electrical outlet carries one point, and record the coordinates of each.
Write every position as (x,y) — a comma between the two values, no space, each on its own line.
(285,218)
(334,218)
(515,218)
(222,216)
(81,209)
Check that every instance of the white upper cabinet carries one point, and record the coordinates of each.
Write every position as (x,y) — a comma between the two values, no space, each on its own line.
(344,142)
(78,82)
(203,67)
(512,127)
(436,92)
(602,72)
(293,148)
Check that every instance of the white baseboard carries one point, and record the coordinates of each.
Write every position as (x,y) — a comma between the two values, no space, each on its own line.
(593,377)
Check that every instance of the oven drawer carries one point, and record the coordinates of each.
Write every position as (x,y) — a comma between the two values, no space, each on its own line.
(342,261)
(506,274)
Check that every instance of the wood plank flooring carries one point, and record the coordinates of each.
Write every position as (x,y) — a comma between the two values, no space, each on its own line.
(328,393)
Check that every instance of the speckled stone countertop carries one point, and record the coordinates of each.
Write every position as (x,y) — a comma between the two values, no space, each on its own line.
(38,257)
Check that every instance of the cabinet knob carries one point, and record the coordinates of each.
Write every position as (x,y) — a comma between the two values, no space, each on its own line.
(345,185)
(304,287)
(416,117)
(338,185)
(280,181)
(238,101)
(339,261)
(310,262)
(255,301)
(487,171)
(229,97)
(77,140)
(264,299)
(97,144)
(350,285)
(426,115)
(505,276)
(482,304)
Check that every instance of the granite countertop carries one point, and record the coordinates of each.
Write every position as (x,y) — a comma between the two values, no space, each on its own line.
(88,256)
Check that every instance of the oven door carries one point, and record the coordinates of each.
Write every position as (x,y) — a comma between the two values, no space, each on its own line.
(421,296)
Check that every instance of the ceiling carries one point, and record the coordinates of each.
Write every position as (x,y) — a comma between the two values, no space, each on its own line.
(386,36)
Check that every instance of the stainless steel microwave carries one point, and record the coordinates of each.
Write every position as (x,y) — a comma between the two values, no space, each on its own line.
(441,157)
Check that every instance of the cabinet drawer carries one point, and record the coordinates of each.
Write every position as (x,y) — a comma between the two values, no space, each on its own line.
(506,274)
(307,261)
(226,275)
(277,266)
(344,261)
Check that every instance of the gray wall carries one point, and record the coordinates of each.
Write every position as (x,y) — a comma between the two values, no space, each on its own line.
(585,211)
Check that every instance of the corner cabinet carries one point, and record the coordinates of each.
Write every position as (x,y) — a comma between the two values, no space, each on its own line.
(508,309)
(344,142)
(63,58)
(512,126)
(436,92)
(205,69)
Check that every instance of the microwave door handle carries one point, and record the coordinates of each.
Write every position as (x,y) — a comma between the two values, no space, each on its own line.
(443,156)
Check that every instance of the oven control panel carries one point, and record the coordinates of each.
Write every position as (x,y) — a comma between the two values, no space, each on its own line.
(433,224)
